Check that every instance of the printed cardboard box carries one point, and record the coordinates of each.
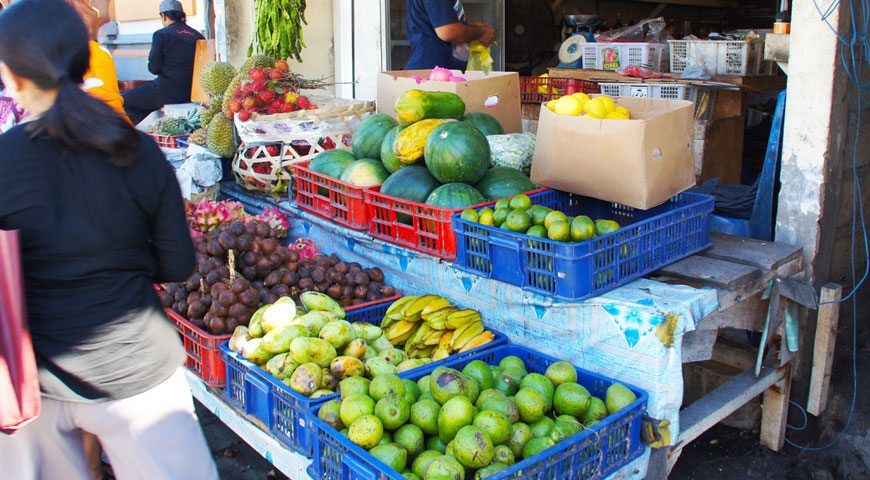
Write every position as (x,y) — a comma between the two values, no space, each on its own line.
(640,162)
(497,94)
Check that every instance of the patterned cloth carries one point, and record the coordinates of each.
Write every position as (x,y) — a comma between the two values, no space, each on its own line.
(615,334)
(10,112)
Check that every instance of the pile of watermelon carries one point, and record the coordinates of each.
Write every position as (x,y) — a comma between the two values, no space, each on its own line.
(434,153)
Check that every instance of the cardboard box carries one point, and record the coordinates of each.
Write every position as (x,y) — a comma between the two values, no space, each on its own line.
(640,162)
(500,90)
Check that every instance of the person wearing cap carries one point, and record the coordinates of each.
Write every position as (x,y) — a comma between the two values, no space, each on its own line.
(173,49)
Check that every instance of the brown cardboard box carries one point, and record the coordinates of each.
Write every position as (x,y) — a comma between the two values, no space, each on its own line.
(640,162)
(501,87)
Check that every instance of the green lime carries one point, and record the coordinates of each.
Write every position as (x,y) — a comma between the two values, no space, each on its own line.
(554,216)
(500,216)
(518,221)
(582,228)
(521,201)
(469,214)
(503,203)
(484,217)
(538,214)
(537,231)
(603,227)
(559,231)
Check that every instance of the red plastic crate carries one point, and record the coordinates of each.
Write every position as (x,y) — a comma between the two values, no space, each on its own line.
(330,198)
(429,230)
(203,352)
(531,88)
(203,349)
(167,141)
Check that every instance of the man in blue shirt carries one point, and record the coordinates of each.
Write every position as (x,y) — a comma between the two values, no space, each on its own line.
(440,34)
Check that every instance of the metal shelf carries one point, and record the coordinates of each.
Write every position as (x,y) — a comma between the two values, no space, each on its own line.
(289,463)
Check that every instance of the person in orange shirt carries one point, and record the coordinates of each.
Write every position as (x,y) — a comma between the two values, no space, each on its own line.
(101,80)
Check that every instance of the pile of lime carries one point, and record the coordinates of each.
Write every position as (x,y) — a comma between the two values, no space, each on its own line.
(467,425)
(517,214)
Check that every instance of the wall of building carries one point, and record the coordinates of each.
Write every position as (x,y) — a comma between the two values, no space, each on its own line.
(318,56)
(816,198)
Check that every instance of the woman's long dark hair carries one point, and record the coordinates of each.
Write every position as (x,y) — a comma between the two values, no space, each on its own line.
(46,42)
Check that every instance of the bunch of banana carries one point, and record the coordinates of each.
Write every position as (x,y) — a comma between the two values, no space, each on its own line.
(430,327)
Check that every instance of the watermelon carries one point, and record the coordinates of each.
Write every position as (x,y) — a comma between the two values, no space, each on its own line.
(369,135)
(455,195)
(413,183)
(502,182)
(457,152)
(486,123)
(331,162)
(365,172)
(388,156)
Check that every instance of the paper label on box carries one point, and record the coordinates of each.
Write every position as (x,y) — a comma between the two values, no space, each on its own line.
(611,58)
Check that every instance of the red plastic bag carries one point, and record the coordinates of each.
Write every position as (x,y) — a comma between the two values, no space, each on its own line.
(19,383)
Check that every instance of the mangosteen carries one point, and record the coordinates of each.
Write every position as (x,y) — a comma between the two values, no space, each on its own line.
(166,299)
(387,291)
(292,256)
(334,291)
(303,272)
(346,301)
(269,245)
(272,279)
(215,248)
(239,285)
(318,275)
(237,227)
(361,279)
(357,301)
(227,240)
(322,287)
(305,284)
(346,291)
(270,298)
(376,274)
(281,290)
(290,278)
(372,296)
(236,310)
(360,291)
(340,267)
(196,310)
(249,297)
(227,298)
(213,277)
(249,272)
(206,300)
(217,325)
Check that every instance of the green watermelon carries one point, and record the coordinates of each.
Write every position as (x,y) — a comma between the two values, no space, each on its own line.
(365,172)
(413,183)
(331,162)
(502,182)
(486,123)
(388,156)
(369,135)
(455,195)
(457,152)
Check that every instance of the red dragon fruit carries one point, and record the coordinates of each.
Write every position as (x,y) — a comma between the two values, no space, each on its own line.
(306,247)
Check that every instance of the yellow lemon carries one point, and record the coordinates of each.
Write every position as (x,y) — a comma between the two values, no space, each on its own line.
(543,87)
(608,103)
(615,116)
(595,107)
(552,105)
(623,110)
(568,105)
(581,96)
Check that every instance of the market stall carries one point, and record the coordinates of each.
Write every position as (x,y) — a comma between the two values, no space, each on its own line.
(611,275)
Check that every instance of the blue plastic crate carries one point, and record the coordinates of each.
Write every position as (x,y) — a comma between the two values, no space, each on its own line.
(256,392)
(594,453)
(647,241)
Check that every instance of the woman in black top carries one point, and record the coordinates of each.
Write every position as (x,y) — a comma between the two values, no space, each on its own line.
(173,49)
(101,220)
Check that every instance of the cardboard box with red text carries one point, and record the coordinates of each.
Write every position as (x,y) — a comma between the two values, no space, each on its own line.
(497,94)
(640,162)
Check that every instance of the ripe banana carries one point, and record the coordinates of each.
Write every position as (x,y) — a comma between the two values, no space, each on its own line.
(401,331)
(465,333)
(438,320)
(479,340)
(394,312)
(433,338)
(444,343)
(439,354)
(461,317)
(433,306)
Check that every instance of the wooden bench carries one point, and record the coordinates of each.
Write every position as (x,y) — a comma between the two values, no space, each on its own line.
(740,269)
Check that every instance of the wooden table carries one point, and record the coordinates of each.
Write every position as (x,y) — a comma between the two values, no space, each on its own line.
(740,269)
